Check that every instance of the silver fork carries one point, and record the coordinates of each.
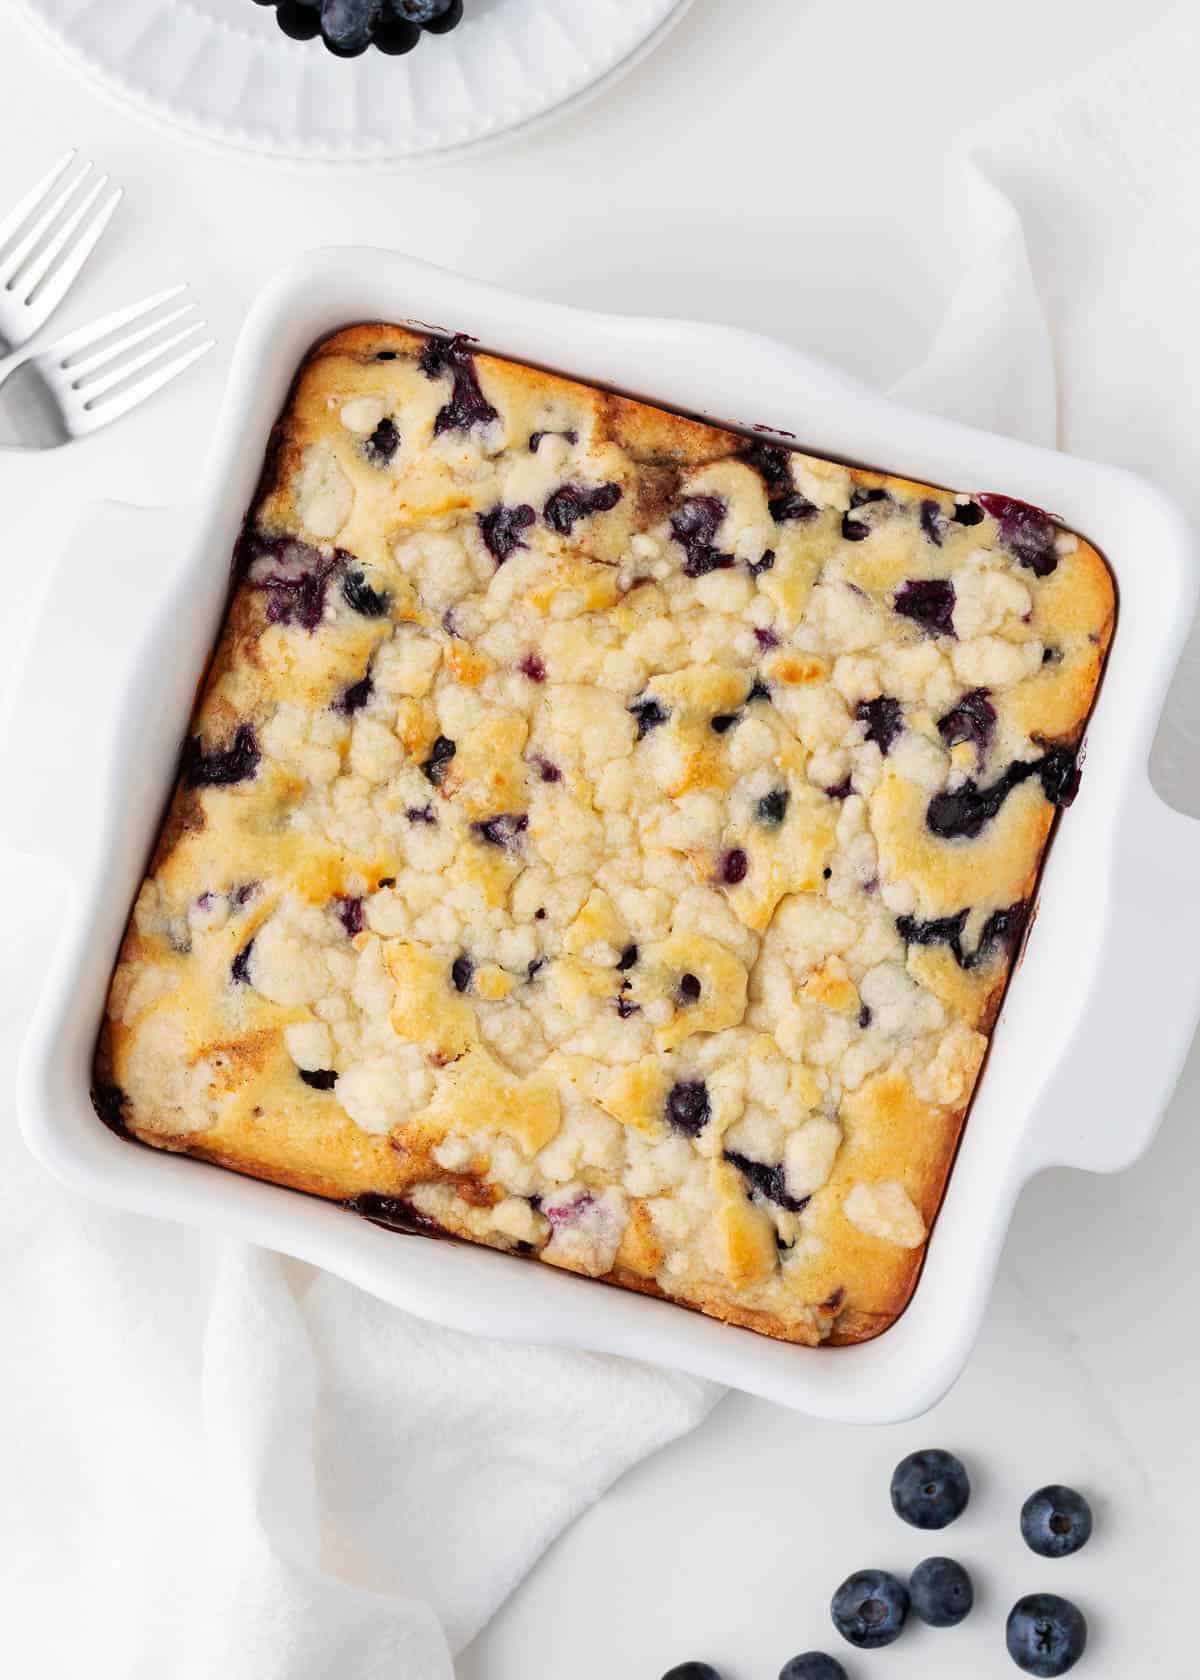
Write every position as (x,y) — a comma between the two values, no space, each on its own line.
(62,393)
(40,261)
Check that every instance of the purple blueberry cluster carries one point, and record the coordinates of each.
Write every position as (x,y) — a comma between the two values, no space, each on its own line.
(1045,1635)
(348,27)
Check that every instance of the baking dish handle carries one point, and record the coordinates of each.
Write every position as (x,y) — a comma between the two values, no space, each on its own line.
(79,673)
(1109,1095)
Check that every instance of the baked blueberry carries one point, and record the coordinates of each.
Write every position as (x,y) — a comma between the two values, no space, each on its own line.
(929,602)
(535,439)
(734,866)
(358,594)
(461,971)
(1046,1635)
(1056,1521)
(694,527)
(467,406)
(354,698)
(321,1079)
(689,988)
(349,912)
(932,522)
(571,502)
(628,957)
(239,968)
(504,829)
(884,718)
(812,1665)
(223,768)
(723,722)
(870,1609)
(533,668)
(501,529)
(688,1107)
(759,689)
(930,1489)
(768,1180)
(382,443)
(941,1592)
(649,714)
(973,719)
(110,1102)
(1026,531)
(764,563)
(968,513)
(440,754)
(772,807)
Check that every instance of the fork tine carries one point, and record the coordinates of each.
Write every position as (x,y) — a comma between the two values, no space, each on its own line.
(44,262)
(93,418)
(12,223)
(128,365)
(20,254)
(61,352)
(79,370)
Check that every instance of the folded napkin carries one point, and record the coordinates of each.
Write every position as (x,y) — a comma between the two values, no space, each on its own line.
(222,1463)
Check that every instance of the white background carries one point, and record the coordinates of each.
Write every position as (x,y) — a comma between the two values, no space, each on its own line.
(781,164)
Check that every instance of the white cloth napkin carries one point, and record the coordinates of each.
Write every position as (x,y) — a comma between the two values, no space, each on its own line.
(221,1463)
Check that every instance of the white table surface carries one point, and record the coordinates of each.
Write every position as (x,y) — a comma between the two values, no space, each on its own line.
(780,164)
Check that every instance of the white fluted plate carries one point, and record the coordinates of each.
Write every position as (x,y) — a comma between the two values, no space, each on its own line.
(222,70)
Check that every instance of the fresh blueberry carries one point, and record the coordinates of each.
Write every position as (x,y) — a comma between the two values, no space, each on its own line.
(929,602)
(688,1107)
(571,502)
(236,763)
(449,19)
(321,1079)
(941,1592)
(358,594)
(440,754)
(812,1665)
(421,11)
(930,1489)
(298,21)
(870,1609)
(1046,1635)
(348,25)
(395,36)
(1056,1521)
(884,718)
(501,529)
(692,1671)
(772,807)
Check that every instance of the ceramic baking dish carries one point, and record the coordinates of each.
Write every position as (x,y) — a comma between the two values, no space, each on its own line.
(1098,1016)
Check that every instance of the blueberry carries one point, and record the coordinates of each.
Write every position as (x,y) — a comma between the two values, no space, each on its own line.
(382,444)
(450,19)
(1002,927)
(870,1609)
(930,1489)
(239,969)
(467,406)
(110,1103)
(931,522)
(813,1665)
(354,698)
(571,502)
(461,970)
(688,1107)
(772,807)
(771,461)
(358,594)
(533,668)
(929,602)
(349,911)
(421,11)
(236,763)
(941,1592)
(791,506)
(501,529)
(689,988)
(734,867)
(884,719)
(765,638)
(440,754)
(503,829)
(694,527)
(291,574)
(1056,1521)
(535,439)
(395,36)
(973,719)
(347,25)
(692,1671)
(764,563)
(321,1079)
(968,513)
(298,21)
(628,958)
(1046,1635)
(865,1017)
(768,1180)
(965,812)
(759,689)
(843,790)
(549,772)
(1027,532)
(415,814)
(625,1008)
(723,722)
(649,714)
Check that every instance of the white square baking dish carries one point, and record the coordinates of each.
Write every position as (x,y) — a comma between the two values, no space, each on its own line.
(1098,1016)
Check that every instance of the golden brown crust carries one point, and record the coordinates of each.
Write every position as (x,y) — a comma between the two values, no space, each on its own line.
(793,735)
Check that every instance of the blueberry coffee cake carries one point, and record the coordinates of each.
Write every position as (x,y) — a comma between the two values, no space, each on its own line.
(604,836)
